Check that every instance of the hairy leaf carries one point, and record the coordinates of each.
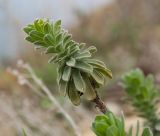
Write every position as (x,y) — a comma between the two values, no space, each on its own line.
(66,73)
(83,66)
(78,81)
(73,94)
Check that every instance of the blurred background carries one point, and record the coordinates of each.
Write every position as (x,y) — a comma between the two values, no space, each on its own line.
(126,33)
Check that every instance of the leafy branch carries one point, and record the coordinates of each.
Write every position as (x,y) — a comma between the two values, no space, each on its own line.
(78,74)
(143,95)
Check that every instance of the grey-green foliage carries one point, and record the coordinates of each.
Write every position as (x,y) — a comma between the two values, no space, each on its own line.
(78,73)
(110,125)
(143,95)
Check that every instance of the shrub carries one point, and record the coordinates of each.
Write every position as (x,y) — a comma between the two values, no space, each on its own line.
(143,95)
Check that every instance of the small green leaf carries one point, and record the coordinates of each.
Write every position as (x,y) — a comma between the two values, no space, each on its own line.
(30,39)
(99,66)
(63,87)
(39,43)
(36,35)
(66,73)
(73,94)
(82,45)
(105,72)
(37,25)
(46,28)
(73,51)
(62,56)
(71,62)
(50,49)
(60,70)
(78,81)
(57,26)
(28,29)
(99,78)
(84,66)
(90,92)
(59,47)
(96,63)
(67,39)
(91,49)
(59,38)
(83,55)
(49,39)
(57,23)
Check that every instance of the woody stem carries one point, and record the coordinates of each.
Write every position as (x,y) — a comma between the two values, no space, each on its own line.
(100,104)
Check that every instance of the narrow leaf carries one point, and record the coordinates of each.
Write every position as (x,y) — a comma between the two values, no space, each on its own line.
(46,28)
(73,95)
(59,38)
(84,66)
(49,39)
(83,55)
(66,73)
(105,72)
(78,81)
(63,87)
(90,92)
(36,34)
(28,29)
(30,39)
(99,78)
(40,42)
(82,45)
(67,39)
(60,70)
(91,49)
(37,25)
(71,62)
(57,26)
(50,49)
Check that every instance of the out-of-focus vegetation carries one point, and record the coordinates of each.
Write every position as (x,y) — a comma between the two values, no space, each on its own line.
(144,96)
(126,32)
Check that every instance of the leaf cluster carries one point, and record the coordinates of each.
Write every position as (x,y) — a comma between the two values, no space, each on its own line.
(78,73)
(143,95)
(110,125)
